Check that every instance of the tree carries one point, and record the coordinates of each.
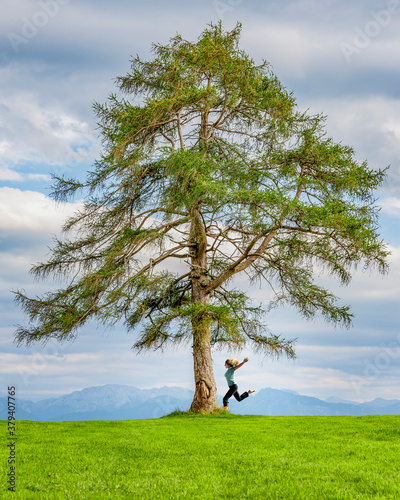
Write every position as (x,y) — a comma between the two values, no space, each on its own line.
(208,170)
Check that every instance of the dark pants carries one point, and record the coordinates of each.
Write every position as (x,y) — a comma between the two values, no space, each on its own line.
(233,391)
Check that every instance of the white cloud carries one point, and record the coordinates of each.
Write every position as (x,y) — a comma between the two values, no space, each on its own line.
(37,134)
(7,174)
(288,46)
(38,177)
(369,124)
(14,266)
(391,205)
(31,211)
(297,36)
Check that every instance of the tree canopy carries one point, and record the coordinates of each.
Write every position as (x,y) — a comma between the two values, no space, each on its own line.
(209,169)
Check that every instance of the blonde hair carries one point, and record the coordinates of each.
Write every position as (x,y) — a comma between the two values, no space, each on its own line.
(232,362)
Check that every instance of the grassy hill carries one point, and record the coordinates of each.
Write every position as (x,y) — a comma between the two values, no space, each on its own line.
(207,457)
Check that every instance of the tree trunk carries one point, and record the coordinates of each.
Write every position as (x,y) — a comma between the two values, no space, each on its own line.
(205,396)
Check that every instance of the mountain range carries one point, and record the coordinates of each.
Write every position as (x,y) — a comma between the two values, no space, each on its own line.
(121,402)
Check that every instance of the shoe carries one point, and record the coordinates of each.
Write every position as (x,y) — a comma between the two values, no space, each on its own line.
(225,407)
(250,392)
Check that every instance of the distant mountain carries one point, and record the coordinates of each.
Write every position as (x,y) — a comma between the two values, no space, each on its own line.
(382,403)
(338,400)
(122,402)
(108,402)
(281,403)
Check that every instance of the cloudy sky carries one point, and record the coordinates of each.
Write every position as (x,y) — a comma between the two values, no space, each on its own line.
(57,57)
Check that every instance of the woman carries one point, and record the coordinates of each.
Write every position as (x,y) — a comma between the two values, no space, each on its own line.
(233,365)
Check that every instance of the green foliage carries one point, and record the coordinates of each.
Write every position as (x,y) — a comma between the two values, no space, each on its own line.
(208,170)
(208,457)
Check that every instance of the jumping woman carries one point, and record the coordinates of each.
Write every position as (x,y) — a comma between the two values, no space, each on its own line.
(232,365)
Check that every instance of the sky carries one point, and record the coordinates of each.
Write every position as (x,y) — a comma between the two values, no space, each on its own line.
(58,57)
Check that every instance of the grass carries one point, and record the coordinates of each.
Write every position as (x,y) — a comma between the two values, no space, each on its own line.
(207,457)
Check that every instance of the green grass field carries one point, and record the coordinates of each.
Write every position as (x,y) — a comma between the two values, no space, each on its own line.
(207,457)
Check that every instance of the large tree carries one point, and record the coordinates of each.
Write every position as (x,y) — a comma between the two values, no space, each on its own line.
(208,170)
